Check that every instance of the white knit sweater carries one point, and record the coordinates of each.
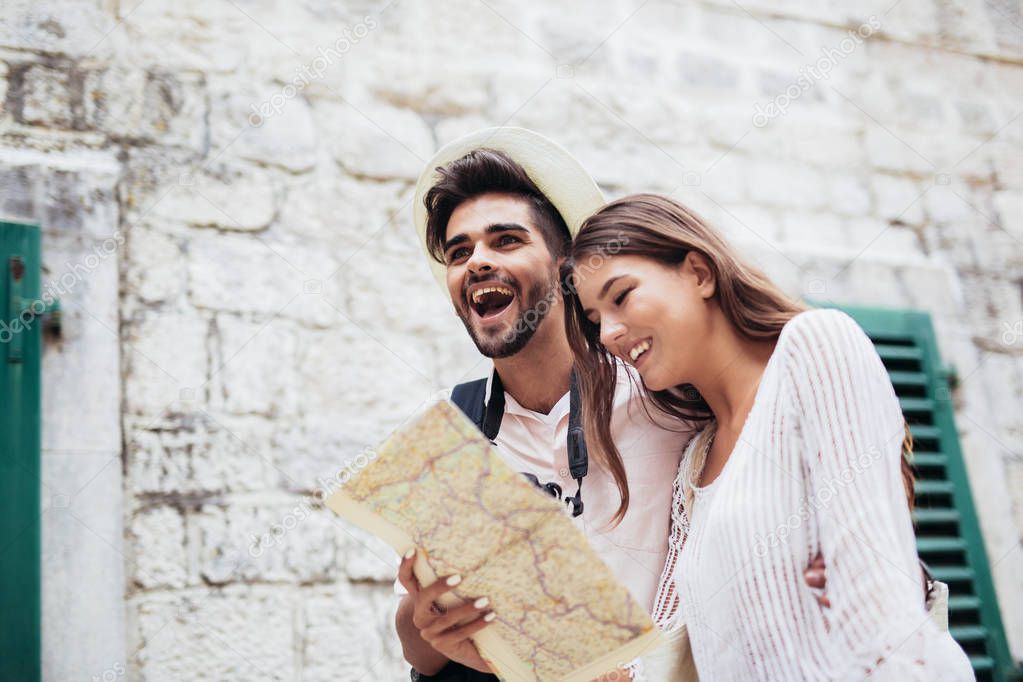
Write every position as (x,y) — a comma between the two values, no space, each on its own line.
(816,468)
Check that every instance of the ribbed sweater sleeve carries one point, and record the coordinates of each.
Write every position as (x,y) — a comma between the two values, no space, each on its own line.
(852,430)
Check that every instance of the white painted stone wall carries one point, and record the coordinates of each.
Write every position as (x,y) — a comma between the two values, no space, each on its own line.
(264,313)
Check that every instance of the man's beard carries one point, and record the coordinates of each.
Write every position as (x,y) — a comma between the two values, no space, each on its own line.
(535,305)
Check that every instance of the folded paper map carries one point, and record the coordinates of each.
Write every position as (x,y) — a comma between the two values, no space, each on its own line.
(438,485)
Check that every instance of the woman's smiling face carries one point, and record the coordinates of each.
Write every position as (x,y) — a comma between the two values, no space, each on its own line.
(651,315)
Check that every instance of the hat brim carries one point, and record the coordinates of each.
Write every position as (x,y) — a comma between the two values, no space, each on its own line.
(556,172)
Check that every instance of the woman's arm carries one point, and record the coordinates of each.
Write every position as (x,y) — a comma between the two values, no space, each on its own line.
(852,430)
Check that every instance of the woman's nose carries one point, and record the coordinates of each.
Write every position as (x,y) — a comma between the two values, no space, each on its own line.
(610,332)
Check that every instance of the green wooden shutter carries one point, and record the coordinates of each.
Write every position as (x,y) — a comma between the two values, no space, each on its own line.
(947,531)
(20,352)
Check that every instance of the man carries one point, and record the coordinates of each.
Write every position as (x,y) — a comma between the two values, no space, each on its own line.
(501,240)
(496,218)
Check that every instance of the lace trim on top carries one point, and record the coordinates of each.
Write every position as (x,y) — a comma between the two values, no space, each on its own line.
(666,604)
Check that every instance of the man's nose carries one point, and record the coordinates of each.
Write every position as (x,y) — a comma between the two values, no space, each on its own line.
(480,260)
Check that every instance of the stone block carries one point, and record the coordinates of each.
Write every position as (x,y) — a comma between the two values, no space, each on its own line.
(848,195)
(813,231)
(361,385)
(271,126)
(55,27)
(951,203)
(890,243)
(155,266)
(899,199)
(235,273)
(227,196)
(284,541)
(389,288)
(775,184)
(365,557)
(1009,206)
(165,353)
(254,364)
(151,105)
(420,87)
(158,548)
(46,96)
(237,633)
(704,71)
(199,454)
(898,151)
(354,641)
(375,141)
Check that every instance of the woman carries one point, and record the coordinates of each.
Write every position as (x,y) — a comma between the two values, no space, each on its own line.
(801,453)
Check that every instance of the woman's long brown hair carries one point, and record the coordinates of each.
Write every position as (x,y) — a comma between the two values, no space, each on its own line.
(660,228)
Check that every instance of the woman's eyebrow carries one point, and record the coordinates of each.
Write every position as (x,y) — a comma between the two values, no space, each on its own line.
(607,285)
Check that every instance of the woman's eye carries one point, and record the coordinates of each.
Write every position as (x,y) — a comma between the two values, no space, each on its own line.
(621,297)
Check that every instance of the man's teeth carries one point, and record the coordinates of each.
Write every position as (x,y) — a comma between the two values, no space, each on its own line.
(639,349)
(478,294)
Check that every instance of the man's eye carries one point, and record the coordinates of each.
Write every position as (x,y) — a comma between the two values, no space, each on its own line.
(503,240)
(457,253)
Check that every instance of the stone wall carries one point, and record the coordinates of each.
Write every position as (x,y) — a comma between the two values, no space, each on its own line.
(230,185)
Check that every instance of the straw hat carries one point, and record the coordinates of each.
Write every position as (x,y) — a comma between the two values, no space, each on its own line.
(556,172)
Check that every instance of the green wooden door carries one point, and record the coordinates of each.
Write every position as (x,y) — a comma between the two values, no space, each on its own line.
(948,534)
(21,348)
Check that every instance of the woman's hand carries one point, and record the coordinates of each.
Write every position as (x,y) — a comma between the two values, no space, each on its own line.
(446,630)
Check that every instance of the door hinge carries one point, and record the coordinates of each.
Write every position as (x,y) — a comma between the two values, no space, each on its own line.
(23,312)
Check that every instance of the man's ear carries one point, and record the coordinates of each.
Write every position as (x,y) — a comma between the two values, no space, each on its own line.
(697,265)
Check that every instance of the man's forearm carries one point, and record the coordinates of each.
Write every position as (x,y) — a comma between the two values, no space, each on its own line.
(416,650)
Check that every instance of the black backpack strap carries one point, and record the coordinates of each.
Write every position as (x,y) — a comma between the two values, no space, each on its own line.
(471,398)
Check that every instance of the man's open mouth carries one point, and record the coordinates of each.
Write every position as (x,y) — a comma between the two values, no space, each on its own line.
(490,301)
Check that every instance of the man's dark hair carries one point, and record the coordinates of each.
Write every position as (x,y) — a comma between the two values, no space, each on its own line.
(482,171)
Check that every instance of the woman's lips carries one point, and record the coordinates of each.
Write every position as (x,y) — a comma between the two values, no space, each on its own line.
(641,360)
